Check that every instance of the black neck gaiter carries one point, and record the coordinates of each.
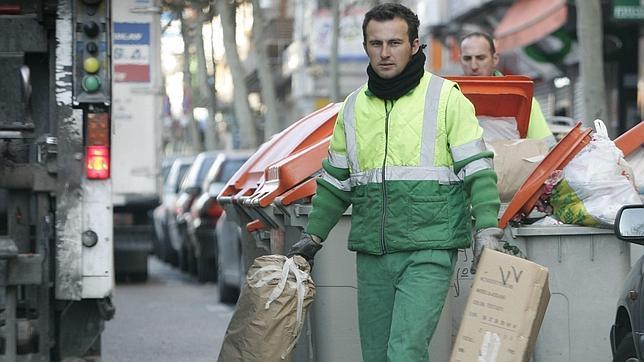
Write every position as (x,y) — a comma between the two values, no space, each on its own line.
(401,84)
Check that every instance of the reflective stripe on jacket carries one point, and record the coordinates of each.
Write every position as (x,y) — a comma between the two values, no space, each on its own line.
(400,155)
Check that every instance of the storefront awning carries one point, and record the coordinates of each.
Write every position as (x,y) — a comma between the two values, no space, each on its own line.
(527,21)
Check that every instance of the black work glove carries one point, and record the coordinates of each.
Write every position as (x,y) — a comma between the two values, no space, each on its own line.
(306,248)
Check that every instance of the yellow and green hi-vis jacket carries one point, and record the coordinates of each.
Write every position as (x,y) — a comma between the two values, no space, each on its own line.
(411,168)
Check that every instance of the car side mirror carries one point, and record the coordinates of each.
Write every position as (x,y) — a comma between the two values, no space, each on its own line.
(629,224)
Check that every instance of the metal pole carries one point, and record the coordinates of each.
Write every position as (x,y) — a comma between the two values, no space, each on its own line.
(10,324)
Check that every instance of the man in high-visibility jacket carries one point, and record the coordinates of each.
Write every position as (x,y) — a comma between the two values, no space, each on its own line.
(407,153)
(479,58)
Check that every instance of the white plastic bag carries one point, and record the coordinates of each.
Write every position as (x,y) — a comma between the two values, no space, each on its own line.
(596,184)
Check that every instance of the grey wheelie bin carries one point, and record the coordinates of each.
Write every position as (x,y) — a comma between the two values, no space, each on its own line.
(586,265)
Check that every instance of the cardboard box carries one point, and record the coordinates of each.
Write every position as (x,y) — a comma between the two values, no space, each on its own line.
(504,311)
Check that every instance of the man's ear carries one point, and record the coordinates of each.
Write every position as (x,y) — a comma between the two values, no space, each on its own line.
(495,59)
(415,45)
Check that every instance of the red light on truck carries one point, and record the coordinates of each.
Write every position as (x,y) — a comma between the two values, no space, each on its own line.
(10,9)
(97,145)
(97,165)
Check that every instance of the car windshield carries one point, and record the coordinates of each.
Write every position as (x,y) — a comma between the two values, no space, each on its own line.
(183,170)
(229,168)
(198,171)
(203,170)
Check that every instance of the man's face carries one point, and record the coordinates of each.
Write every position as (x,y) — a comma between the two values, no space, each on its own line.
(477,58)
(388,47)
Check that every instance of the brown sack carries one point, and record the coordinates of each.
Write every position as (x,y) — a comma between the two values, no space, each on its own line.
(270,312)
(514,161)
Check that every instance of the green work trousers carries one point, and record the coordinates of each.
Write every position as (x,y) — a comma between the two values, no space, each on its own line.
(400,299)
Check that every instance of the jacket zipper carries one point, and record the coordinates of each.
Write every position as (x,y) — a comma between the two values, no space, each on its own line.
(383,248)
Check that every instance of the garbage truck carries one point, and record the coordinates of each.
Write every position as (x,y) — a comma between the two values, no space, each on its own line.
(56,237)
(137,99)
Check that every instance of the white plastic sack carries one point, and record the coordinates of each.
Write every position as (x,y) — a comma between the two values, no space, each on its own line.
(596,184)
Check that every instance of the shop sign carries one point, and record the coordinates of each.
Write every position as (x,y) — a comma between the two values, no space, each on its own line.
(628,9)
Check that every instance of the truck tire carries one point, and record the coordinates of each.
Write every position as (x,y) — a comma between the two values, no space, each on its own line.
(78,331)
(132,246)
(626,350)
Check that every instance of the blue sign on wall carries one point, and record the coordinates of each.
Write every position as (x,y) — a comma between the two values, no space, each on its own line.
(131,52)
(131,34)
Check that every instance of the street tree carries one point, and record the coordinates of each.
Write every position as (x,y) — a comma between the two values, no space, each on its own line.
(206,90)
(241,105)
(590,35)
(265,73)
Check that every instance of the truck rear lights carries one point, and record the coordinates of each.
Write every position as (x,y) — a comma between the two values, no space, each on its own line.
(10,9)
(97,165)
(97,146)
(97,129)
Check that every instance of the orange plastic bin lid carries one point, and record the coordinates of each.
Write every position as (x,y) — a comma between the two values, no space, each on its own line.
(505,96)
(290,178)
(528,194)
(630,140)
(304,133)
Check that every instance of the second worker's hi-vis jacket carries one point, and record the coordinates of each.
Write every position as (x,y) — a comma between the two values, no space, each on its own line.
(411,168)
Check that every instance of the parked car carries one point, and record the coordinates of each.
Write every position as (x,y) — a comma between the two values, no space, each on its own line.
(189,190)
(157,243)
(205,211)
(626,335)
(165,211)
(166,165)
(229,259)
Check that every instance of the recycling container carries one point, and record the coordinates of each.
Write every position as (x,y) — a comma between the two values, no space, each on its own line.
(587,267)
(268,174)
(334,313)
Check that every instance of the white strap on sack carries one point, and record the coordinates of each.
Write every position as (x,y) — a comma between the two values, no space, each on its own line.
(600,128)
(290,267)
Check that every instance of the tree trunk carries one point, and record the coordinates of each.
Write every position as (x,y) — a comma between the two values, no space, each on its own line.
(590,35)
(193,140)
(204,87)
(243,114)
(334,81)
(265,73)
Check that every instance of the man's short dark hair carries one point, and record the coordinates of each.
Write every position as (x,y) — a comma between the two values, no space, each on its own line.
(482,34)
(390,11)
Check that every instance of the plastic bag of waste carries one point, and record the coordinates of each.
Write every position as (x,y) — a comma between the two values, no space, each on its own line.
(596,183)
